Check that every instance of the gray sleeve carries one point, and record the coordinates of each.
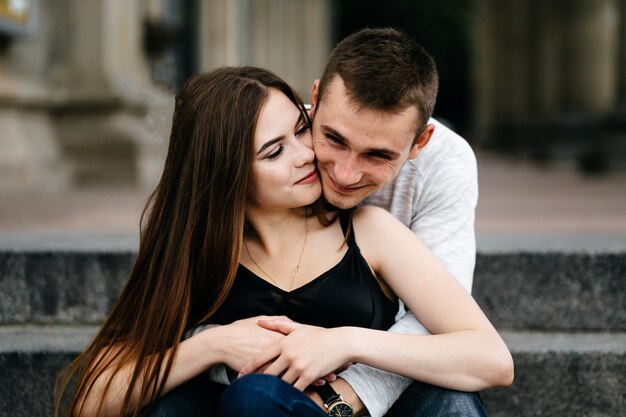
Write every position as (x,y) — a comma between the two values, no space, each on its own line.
(380,389)
(217,373)
(443,218)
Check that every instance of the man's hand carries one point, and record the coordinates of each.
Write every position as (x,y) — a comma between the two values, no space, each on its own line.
(306,354)
(243,340)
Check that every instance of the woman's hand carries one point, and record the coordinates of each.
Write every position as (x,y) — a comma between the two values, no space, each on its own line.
(243,340)
(305,354)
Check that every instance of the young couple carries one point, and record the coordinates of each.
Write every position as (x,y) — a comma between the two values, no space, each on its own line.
(301,288)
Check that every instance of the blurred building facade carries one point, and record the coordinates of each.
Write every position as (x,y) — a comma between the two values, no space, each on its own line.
(550,79)
(86,86)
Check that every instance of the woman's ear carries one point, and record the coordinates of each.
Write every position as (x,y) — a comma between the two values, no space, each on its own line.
(314,91)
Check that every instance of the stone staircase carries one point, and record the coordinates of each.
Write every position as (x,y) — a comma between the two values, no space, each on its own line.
(560,304)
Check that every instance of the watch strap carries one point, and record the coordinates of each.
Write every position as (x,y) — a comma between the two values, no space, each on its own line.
(327,393)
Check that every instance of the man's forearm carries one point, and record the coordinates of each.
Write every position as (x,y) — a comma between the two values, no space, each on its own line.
(347,393)
(377,390)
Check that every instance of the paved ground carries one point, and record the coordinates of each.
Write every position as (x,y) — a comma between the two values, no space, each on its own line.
(515,198)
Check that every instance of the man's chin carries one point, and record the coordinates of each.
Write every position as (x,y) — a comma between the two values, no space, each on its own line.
(341,201)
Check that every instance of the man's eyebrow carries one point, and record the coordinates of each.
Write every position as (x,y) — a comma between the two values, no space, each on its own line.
(334,132)
(389,152)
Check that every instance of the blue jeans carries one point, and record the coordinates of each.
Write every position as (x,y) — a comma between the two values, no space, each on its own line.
(267,396)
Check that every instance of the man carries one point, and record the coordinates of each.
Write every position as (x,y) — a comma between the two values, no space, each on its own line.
(371,127)
(371,124)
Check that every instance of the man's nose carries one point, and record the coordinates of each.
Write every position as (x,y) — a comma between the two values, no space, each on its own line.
(347,171)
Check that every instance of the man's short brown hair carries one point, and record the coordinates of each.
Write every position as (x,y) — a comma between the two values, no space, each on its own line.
(385,70)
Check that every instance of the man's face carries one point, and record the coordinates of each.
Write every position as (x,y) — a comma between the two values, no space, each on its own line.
(359,151)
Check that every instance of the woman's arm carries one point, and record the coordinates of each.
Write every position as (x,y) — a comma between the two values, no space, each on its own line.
(231,344)
(465,352)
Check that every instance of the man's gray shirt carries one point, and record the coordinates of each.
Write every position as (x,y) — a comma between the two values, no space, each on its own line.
(435,195)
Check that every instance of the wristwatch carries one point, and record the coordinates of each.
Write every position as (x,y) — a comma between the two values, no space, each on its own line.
(333,402)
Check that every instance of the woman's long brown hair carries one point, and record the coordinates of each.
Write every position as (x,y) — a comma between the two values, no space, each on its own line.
(191,237)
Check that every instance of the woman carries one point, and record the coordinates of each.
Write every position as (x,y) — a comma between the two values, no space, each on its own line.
(238,208)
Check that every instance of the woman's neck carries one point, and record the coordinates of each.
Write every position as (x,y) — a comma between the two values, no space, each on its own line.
(276,231)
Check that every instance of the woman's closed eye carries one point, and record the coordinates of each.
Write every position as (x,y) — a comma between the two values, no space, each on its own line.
(275,153)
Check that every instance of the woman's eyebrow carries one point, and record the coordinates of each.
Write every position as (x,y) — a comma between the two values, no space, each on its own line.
(270,143)
(281,137)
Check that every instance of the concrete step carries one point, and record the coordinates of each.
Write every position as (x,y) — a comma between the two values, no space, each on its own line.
(552,283)
(556,374)
(30,359)
(62,278)
(538,283)
(563,374)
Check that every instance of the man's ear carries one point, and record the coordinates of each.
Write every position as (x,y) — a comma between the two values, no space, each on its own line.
(422,140)
(314,91)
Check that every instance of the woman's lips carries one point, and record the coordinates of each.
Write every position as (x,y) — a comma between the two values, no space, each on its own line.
(309,178)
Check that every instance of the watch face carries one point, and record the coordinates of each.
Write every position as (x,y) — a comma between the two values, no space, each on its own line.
(340,409)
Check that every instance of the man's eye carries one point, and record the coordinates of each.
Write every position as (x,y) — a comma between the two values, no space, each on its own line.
(380,156)
(275,154)
(334,139)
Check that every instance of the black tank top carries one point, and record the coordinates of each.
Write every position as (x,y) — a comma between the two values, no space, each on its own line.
(348,294)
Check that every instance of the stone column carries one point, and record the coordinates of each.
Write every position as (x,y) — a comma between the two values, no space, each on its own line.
(483,69)
(292,38)
(503,53)
(105,95)
(222,23)
(30,158)
(621,61)
(546,71)
(589,56)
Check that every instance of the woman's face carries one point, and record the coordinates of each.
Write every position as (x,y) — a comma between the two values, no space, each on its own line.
(283,171)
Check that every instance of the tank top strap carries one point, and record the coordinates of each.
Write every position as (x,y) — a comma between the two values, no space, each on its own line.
(345,219)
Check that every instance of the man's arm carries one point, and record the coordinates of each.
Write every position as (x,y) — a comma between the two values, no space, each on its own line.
(217,373)
(442,215)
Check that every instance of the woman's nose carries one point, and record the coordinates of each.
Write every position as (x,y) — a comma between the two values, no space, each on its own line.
(305,154)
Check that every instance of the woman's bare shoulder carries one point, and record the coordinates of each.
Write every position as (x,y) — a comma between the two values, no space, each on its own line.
(372,217)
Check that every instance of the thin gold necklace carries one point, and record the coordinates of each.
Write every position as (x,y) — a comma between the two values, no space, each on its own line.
(295,272)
